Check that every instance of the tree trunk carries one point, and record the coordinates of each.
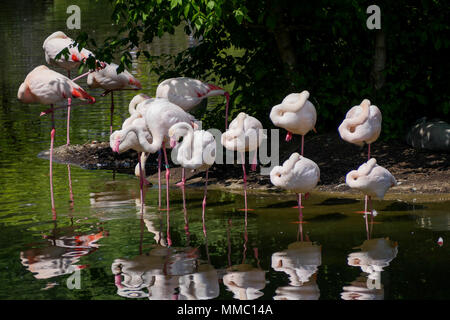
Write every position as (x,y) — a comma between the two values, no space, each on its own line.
(379,60)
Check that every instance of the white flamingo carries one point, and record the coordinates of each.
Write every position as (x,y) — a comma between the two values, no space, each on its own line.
(372,180)
(108,79)
(298,174)
(245,134)
(159,117)
(362,124)
(196,151)
(188,93)
(296,114)
(46,86)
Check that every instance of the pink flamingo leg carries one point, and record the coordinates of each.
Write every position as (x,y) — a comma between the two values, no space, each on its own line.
(159,179)
(52,139)
(300,216)
(227,96)
(141,182)
(167,176)
(254,161)
(371,215)
(169,239)
(365,217)
(112,112)
(245,181)
(182,183)
(70,187)
(303,142)
(204,202)
(69,103)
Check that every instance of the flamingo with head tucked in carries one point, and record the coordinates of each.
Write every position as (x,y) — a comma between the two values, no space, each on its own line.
(46,86)
(188,93)
(372,180)
(245,134)
(108,79)
(196,151)
(160,116)
(362,124)
(296,114)
(297,174)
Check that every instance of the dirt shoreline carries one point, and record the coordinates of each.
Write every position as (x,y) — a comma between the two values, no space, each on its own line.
(419,173)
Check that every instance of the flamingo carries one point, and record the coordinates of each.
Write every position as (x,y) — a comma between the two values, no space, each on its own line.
(296,114)
(371,179)
(245,134)
(188,93)
(298,174)
(160,115)
(108,79)
(53,45)
(362,124)
(196,151)
(46,86)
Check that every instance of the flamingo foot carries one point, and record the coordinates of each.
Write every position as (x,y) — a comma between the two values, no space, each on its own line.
(362,212)
(253,167)
(296,207)
(146,182)
(246,209)
(299,222)
(289,136)
(181,184)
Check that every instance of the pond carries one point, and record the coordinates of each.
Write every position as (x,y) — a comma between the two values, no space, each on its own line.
(101,247)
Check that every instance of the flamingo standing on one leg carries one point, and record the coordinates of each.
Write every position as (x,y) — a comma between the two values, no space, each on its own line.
(197,150)
(53,45)
(362,124)
(298,174)
(159,117)
(245,134)
(296,114)
(108,79)
(46,86)
(372,180)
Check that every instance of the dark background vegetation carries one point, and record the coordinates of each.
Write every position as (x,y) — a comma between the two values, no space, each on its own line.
(322,46)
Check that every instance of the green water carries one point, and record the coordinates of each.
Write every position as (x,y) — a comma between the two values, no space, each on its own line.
(99,231)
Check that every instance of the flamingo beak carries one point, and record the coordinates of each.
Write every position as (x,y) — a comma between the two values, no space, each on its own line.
(173,143)
(116,146)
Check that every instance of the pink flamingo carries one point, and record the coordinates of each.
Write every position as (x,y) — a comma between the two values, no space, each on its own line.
(108,79)
(188,93)
(53,45)
(296,114)
(159,116)
(46,86)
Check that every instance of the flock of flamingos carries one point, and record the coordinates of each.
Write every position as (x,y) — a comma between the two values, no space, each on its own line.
(156,124)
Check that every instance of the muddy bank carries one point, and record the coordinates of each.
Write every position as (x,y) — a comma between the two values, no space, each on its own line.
(418,172)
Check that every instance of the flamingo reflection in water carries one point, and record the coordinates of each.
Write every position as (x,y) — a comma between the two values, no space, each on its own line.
(61,254)
(375,255)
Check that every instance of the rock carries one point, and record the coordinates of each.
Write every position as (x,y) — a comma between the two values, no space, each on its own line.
(430,135)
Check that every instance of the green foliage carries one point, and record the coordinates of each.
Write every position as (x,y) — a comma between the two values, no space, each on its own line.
(330,47)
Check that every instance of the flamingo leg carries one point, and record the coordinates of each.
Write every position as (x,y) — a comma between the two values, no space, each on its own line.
(245,181)
(167,176)
(365,217)
(371,215)
(52,139)
(303,142)
(70,187)
(186,219)
(112,112)
(69,103)
(204,202)
(254,161)
(227,96)
(159,179)
(300,216)
(141,182)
